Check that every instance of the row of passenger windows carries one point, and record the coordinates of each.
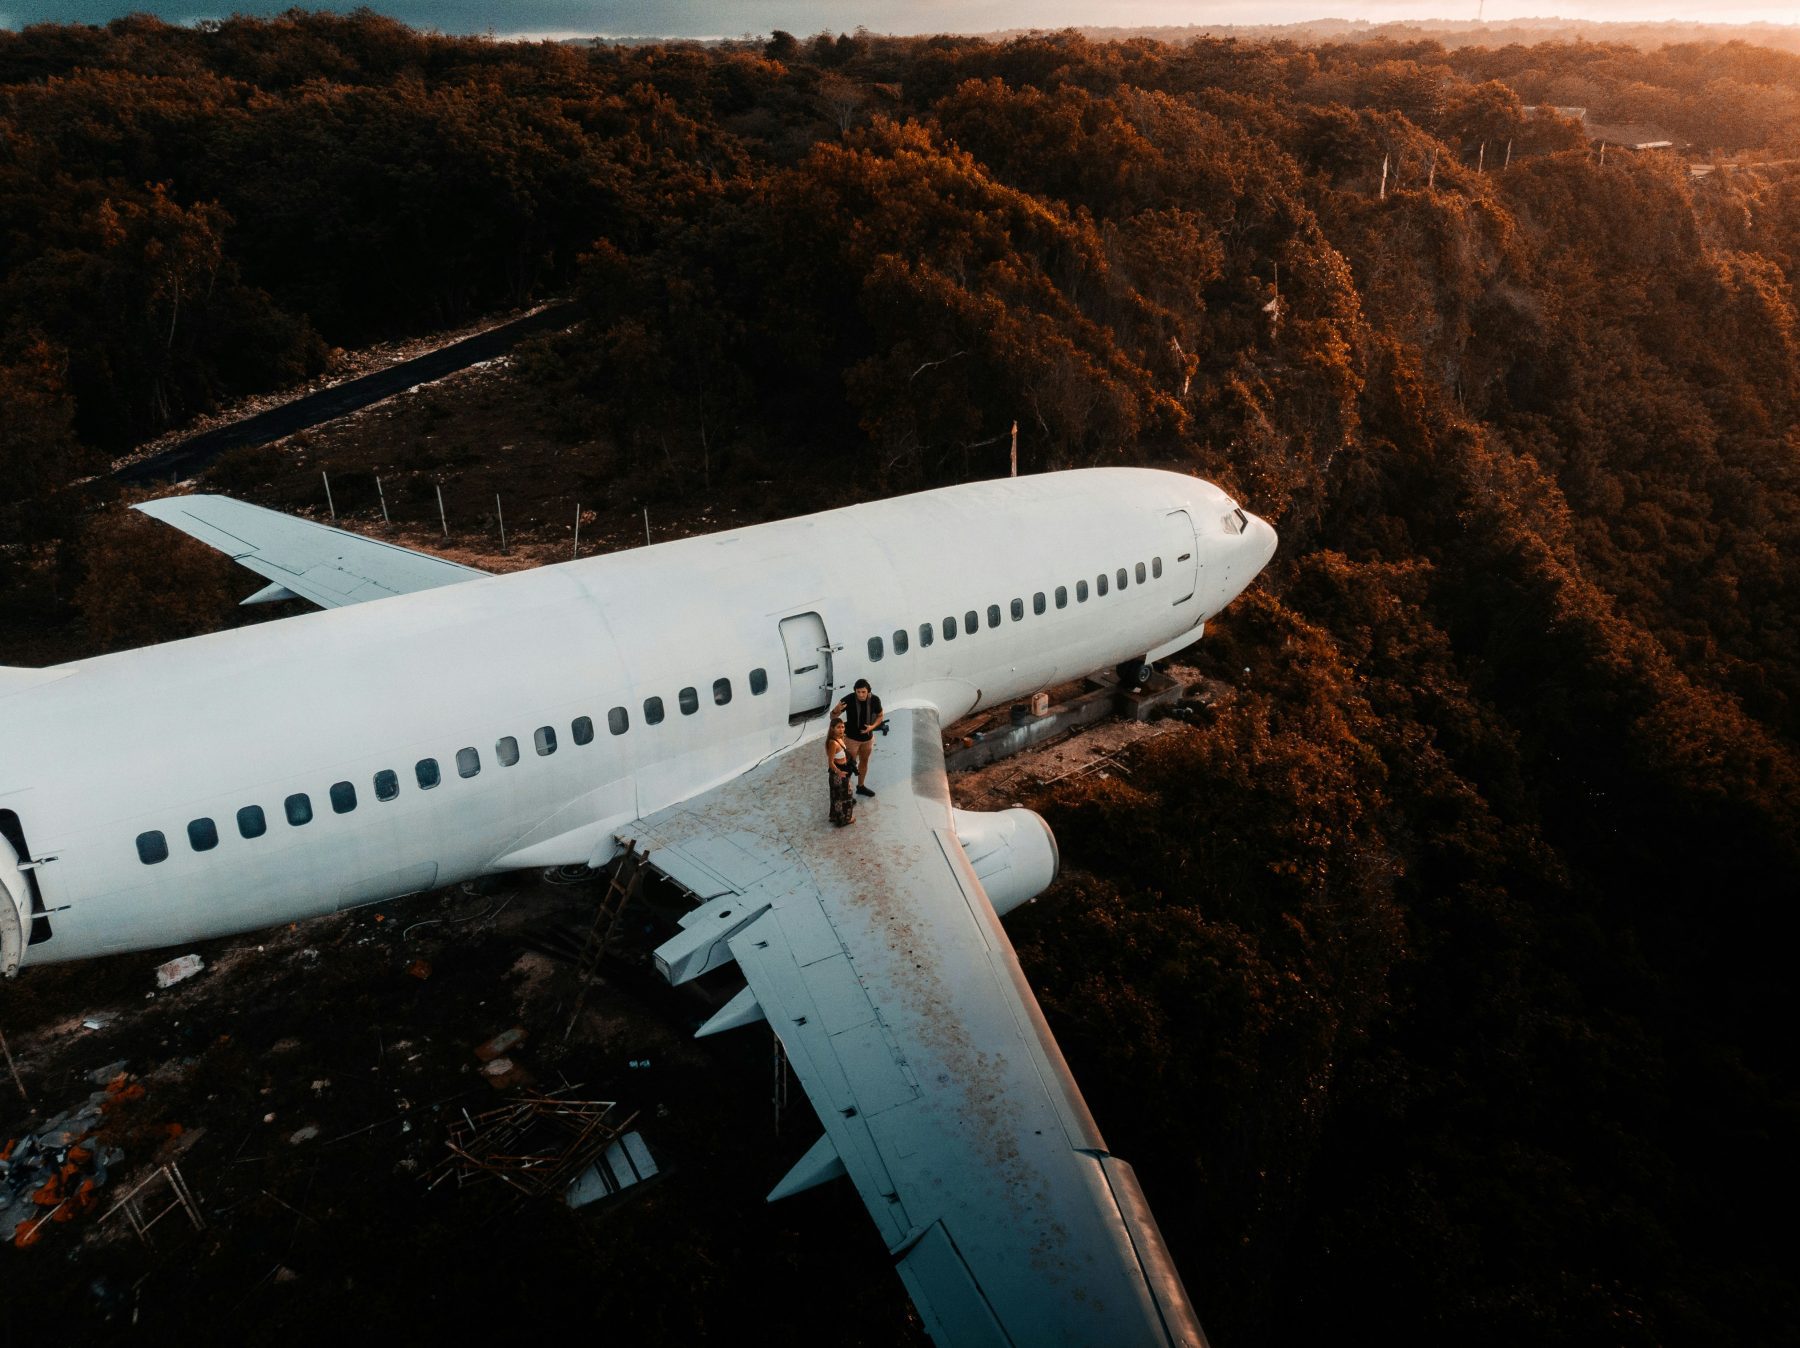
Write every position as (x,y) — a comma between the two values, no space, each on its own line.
(203,834)
(1040,603)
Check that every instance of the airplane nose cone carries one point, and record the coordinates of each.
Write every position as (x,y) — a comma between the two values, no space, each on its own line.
(1266,540)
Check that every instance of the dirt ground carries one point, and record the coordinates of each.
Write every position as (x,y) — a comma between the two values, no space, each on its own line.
(303,1084)
(500,451)
(343,366)
(1024,777)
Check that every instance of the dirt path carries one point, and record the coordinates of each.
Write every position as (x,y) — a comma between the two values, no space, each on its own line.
(195,453)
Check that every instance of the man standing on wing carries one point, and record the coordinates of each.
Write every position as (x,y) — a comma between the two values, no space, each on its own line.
(862,717)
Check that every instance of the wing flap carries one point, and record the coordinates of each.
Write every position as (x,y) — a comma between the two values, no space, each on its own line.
(948,1297)
(326,566)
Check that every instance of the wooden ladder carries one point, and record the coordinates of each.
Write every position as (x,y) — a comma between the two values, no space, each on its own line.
(609,917)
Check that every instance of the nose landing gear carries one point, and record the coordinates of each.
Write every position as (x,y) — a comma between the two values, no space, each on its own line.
(1133,673)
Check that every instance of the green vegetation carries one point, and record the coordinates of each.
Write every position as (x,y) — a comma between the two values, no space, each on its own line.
(1435,981)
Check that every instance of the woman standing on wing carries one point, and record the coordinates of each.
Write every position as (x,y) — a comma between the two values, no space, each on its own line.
(837,757)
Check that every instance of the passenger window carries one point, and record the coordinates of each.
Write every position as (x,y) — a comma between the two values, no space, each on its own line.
(506,749)
(618,720)
(1038,603)
(1062,596)
(387,784)
(971,622)
(468,762)
(152,847)
(924,635)
(251,823)
(1081,592)
(1018,610)
(544,740)
(1124,577)
(874,648)
(721,692)
(582,728)
(299,807)
(899,641)
(203,835)
(426,770)
(759,682)
(1156,567)
(343,797)
(949,629)
(653,711)
(993,615)
(1100,583)
(1140,573)
(690,701)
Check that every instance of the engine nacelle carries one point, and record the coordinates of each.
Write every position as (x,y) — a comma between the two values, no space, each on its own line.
(1013,853)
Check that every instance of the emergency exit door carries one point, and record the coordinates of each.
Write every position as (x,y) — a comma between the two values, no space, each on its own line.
(809,665)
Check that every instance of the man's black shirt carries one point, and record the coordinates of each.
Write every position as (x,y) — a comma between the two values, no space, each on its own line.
(859,714)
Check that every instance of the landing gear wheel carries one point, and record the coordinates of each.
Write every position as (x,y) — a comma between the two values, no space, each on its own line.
(1133,673)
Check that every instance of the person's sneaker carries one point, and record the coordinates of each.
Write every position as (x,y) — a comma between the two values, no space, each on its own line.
(862,790)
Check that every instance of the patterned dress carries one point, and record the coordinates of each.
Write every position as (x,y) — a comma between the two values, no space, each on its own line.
(843,797)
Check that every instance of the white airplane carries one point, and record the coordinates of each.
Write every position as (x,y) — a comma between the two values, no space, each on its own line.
(674,698)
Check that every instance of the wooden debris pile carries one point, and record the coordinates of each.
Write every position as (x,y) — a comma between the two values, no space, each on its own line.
(536,1143)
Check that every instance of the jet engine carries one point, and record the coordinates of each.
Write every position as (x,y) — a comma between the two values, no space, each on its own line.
(1013,853)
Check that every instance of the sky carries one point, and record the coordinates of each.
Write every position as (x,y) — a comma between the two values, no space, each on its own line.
(731,18)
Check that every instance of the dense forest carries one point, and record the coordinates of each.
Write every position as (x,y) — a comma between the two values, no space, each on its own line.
(1434,981)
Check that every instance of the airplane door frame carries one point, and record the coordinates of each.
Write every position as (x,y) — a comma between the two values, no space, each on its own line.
(1191,548)
(23,922)
(809,657)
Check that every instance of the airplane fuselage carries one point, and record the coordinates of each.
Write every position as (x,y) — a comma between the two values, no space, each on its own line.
(277,772)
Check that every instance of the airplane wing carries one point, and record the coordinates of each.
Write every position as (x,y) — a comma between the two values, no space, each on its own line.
(876,957)
(330,567)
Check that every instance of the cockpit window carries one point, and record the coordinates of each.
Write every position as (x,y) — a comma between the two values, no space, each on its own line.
(1236,522)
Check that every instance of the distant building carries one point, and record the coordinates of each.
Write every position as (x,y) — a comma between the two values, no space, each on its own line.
(1619,135)
(1630,136)
(1623,135)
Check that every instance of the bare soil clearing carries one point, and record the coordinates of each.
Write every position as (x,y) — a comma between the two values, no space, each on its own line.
(303,1084)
